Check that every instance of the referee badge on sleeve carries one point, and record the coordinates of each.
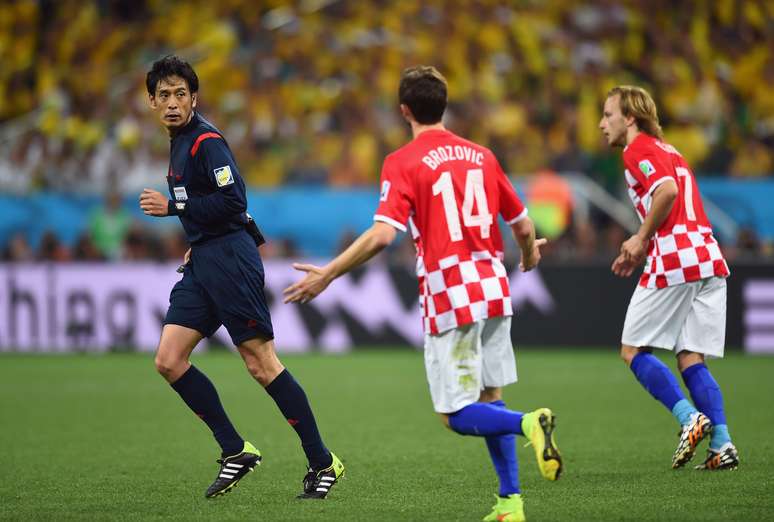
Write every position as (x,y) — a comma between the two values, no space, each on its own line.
(223,176)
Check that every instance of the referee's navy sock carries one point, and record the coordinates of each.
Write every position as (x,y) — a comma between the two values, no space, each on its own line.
(484,419)
(708,398)
(502,450)
(662,384)
(292,402)
(198,392)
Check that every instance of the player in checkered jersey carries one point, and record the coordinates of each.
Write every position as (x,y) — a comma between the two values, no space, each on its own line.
(680,302)
(449,191)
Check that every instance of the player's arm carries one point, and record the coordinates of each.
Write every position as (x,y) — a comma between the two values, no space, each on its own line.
(317,279)
(524,233)
(633,250)
(154,203)
(515,214)
(229,198)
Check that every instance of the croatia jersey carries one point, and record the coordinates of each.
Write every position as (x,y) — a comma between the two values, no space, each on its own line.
(449,192)
(683,248)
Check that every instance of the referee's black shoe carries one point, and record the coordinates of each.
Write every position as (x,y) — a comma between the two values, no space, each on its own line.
(317,483)
(232,469)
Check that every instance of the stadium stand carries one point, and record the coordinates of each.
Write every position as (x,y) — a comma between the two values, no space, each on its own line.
(306,95)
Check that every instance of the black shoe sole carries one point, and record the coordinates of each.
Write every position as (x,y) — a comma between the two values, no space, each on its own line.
(231,486)
(550,452)
(315,495)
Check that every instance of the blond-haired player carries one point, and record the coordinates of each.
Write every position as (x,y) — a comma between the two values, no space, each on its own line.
(680,302)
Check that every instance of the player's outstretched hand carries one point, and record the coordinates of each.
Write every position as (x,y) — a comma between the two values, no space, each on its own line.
(531,261)
(622,267)
(309,287)
(154,203)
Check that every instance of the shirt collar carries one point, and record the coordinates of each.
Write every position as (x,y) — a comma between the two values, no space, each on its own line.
(188,126)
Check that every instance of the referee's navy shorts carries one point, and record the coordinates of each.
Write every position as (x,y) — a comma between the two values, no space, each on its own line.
(223,284)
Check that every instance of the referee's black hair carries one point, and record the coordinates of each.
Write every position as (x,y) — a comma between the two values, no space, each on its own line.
(168,66)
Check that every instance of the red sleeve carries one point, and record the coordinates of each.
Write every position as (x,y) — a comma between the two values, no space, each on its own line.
(650,168)
(511,207)
(394,196)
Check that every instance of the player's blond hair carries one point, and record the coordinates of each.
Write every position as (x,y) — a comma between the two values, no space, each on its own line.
(637,103)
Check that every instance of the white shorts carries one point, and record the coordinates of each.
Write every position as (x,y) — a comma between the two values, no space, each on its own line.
(690,316)
(461,362)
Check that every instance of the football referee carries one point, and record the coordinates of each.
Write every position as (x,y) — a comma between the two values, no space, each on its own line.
(222,283)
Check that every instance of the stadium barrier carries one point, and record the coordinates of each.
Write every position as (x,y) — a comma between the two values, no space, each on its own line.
(746,202)
(114,307)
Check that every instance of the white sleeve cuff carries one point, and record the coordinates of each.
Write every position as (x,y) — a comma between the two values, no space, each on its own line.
(518,218)
(659,182)
(390,221)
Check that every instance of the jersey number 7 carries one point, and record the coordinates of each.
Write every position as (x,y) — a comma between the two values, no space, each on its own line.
(474,193)
(685,175)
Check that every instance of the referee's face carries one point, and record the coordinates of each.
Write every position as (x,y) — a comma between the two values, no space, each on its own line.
(173,102)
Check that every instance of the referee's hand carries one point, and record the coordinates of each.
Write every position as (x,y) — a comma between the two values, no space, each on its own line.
(154,203)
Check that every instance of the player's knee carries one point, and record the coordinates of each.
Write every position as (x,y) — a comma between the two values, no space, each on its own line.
(167,366)
(163,366)
(444,418)
(490,395)
(686,359)
(261,361)
(259,373)
(628,353)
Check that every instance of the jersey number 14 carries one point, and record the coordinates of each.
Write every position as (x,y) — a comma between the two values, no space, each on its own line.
(474,193)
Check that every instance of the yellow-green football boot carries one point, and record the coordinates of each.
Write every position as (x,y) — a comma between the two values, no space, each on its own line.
(318,483)
(232,469)
(508,509)
(538,426)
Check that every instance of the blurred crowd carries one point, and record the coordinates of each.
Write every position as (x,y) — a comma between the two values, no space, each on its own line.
(306,91)
(140,244)
(113,234)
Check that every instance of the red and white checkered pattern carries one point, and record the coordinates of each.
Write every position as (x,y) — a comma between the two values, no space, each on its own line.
(683,248)
(461,275)
(687,254)
(640,196)
(463,289)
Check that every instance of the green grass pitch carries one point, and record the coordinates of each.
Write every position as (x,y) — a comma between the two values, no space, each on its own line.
(104,438)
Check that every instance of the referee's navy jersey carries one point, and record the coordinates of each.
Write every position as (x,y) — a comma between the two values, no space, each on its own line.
(203,173)
(223,283)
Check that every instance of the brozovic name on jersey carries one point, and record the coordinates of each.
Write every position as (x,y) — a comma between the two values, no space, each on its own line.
(435,157)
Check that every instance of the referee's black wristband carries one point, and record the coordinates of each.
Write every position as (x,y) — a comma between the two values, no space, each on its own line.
(176,208)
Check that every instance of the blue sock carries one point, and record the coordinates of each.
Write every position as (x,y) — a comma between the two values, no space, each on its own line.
(707,396)
(292,402)
(198,392)
(682,410)
(484,419)
(502,450)
(661,383)
(720,436)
